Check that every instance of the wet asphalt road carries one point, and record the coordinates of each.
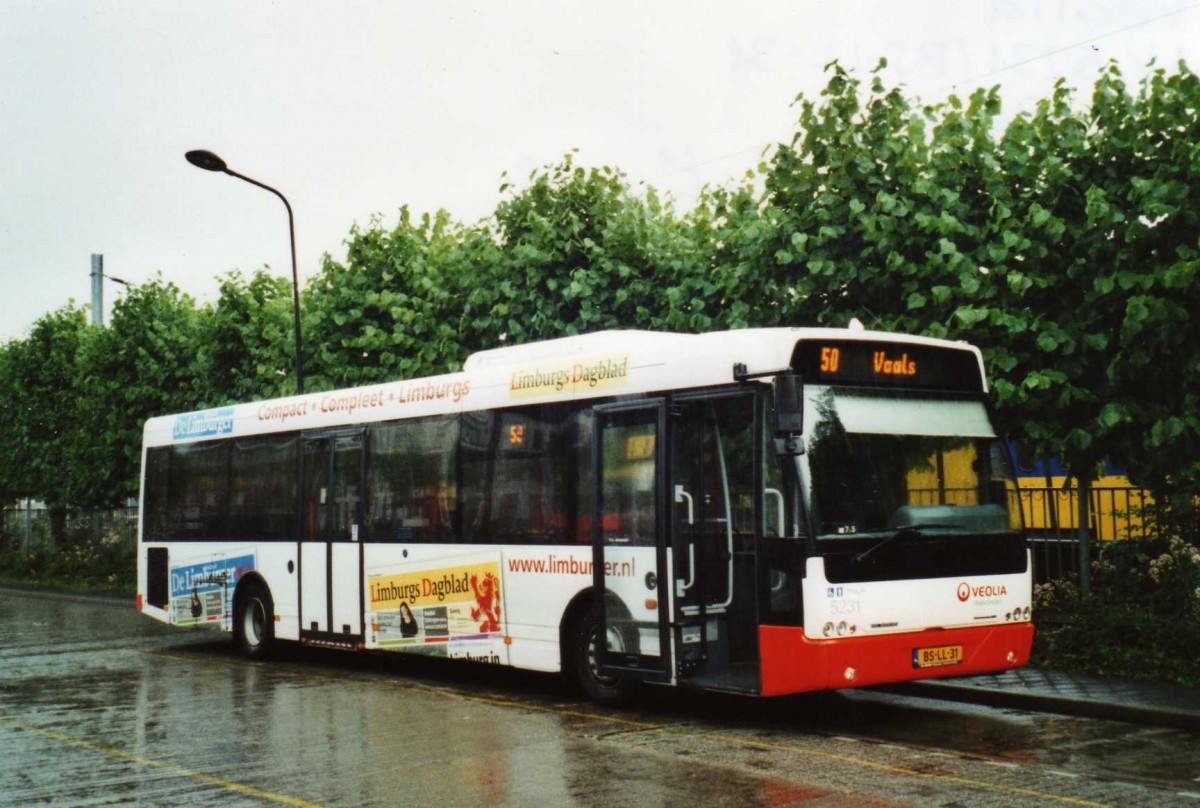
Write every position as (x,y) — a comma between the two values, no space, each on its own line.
(100,706)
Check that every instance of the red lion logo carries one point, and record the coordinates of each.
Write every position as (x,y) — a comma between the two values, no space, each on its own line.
(487,597)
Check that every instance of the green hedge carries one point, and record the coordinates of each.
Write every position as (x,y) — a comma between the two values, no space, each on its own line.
(109,565)
(1140,620)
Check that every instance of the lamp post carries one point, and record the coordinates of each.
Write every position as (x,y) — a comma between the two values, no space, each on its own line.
(98,278)
(211,162)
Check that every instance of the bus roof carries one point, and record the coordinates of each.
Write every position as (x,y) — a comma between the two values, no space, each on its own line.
(599,364)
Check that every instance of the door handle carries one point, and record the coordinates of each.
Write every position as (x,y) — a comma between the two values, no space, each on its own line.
(680,586)
(680,496)
(780,521)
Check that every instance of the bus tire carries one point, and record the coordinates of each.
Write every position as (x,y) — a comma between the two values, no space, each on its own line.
(585,639)
(254,621)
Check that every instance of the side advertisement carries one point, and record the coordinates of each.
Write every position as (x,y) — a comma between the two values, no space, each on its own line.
(449,611)
(202,591)
(608,372)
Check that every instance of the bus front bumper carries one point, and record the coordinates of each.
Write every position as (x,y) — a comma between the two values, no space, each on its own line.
(793,663)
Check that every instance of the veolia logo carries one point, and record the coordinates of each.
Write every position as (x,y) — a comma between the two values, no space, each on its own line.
(966,591)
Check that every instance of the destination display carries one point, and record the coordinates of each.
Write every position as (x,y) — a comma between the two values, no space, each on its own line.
(859,363)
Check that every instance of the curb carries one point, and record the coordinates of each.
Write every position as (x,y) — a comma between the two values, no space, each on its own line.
(1040,702)
(46,590)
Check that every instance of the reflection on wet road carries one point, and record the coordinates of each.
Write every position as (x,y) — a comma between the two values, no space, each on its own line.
(101,706)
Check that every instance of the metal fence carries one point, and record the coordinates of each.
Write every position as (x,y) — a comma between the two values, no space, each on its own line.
(1114,514)
(1051,516)
(27,526)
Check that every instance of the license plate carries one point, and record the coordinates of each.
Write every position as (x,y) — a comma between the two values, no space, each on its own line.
(938,655)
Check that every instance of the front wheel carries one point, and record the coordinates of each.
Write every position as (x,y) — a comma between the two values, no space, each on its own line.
(585,658)
(254,621)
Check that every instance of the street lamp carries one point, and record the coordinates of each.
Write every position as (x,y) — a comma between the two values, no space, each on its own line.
(211,162)
(98,278)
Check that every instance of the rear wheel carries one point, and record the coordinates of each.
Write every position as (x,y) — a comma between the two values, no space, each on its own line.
(254,621)
(585,650)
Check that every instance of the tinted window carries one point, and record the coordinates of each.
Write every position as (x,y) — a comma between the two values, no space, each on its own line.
(629,489)
(198,490)
(155,503)
(263,488)
(412,493)
(518,476)
(582,473)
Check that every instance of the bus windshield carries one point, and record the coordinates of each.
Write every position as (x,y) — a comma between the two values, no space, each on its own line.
(881,463)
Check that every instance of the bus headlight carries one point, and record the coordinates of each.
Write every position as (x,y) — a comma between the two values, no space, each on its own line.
(842,628)
(827,630)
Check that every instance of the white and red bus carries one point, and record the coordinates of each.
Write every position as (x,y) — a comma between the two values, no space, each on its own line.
(764,511)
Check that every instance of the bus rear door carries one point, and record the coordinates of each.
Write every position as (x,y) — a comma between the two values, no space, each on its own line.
(331,588)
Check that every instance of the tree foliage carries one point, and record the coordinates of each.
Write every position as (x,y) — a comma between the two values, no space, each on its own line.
(1066,248)
(42,418)
(579,251)
(1063,243)
(144,363)
(393,310)
(245,347)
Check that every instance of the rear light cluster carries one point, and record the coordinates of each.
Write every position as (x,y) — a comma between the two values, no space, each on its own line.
(841,629)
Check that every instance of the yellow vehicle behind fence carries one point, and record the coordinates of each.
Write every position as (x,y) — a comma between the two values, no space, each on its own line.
(1117,509)
(1050,503)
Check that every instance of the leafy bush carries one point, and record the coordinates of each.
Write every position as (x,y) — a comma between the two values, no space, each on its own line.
(1141,618)
(109,564)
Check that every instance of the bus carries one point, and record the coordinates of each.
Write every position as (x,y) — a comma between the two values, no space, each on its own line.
(762,511)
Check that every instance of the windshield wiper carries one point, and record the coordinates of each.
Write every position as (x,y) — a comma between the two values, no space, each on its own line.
(904,531)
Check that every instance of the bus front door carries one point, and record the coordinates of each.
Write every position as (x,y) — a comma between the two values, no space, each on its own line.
(630,567)
(331,589)
(713,514)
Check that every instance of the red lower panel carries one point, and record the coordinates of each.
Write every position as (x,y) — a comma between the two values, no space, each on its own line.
(792,663)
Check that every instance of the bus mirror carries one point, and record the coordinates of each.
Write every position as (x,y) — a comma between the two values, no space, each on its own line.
(788,392)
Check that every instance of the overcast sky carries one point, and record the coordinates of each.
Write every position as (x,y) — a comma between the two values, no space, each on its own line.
(357,108)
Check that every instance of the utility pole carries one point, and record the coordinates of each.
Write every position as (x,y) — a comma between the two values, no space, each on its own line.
(97,289)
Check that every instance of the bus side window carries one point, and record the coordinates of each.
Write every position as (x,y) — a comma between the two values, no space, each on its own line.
(530,481)
(263,487)
(475,444)
(199,489)
(157,525)
(582,475)
(514,475)
(412,494)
